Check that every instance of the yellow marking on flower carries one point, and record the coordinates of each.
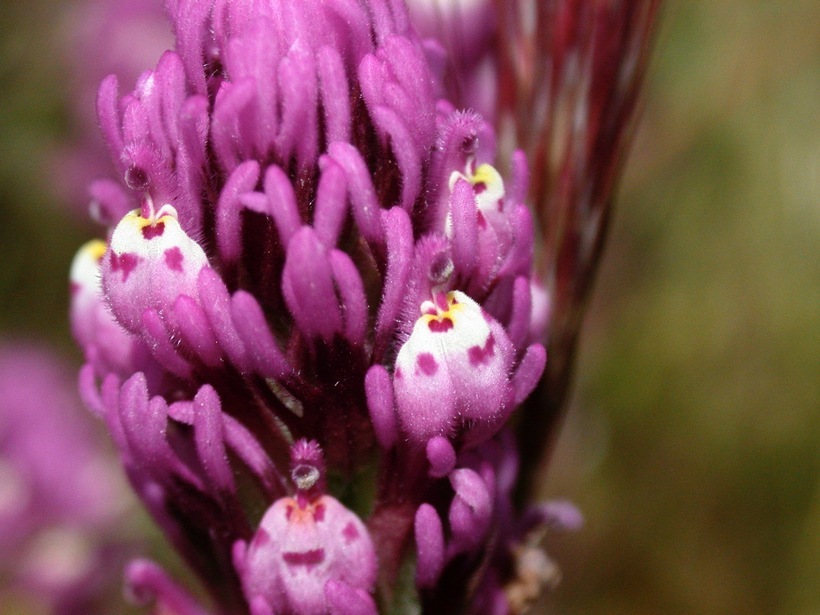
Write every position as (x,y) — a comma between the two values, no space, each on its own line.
(486,174)
(94,249)
(154,224)
(142,222)
(439,319)
(304,512)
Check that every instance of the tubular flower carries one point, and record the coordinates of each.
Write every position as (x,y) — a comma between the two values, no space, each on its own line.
(314,258)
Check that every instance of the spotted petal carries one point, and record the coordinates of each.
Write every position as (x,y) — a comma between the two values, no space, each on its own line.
(306,542)
(454,366)
(150,262)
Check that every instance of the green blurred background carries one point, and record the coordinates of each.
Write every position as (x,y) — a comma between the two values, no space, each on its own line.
(693,440)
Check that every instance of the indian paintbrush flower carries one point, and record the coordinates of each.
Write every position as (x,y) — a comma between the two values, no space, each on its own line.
(316,311)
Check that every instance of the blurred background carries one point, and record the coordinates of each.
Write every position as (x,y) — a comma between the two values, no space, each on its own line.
(693,441)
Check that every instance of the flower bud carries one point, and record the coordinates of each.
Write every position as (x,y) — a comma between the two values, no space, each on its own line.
(429,535)
(471,509)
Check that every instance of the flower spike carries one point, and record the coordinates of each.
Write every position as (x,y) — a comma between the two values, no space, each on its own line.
(320,283)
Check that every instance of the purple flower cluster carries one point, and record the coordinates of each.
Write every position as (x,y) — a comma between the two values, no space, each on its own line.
(60,499)
(314,314)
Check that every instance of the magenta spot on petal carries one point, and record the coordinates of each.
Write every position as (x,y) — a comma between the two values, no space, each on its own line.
(319,513)
(261,538)
(479,187)
(350,532)
(397,373)
(500,204)
(125,262)
(479,355)
(288,511)
(440,326)
(482,221)
(174,258)
(427,363)
(75,288)
(304,558)
(150,231)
